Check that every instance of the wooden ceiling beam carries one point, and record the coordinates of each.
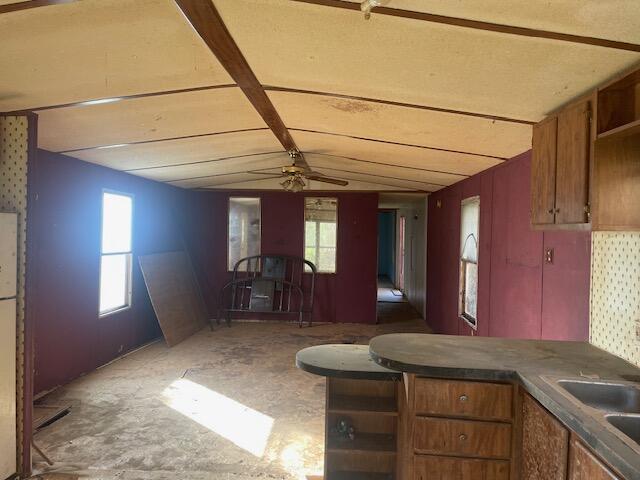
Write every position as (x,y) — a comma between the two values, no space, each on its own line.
(480,25)
(206,21)
(26,5)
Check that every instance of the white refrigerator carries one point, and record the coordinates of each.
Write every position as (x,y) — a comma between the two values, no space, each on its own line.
(8,276)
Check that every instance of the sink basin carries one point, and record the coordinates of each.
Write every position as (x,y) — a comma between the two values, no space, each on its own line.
(610,397)
(627,424)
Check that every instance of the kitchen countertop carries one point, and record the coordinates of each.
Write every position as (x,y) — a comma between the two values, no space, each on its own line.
(525,361)
(343,361)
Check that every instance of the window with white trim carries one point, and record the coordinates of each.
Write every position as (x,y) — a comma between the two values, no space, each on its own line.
(321,232)
(469,238)
(116,252)
(244,229)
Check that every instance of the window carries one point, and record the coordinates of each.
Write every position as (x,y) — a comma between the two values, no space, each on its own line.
(469,235)
(115,261)
(320,232)
(244,229)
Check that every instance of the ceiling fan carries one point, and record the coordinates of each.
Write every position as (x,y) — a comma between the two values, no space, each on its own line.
(295,174)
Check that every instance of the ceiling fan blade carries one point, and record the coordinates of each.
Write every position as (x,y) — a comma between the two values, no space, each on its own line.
(274,175)
(321,178)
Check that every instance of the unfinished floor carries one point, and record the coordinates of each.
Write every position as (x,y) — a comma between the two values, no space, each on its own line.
(224,404)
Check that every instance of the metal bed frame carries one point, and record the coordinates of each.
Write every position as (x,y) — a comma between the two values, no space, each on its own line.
(269,284)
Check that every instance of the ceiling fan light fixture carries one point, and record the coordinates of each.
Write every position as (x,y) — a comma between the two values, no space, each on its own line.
(294,184)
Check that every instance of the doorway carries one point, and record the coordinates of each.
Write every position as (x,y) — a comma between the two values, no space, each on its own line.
(390,270)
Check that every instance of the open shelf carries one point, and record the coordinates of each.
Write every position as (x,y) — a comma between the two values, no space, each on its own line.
(632,128)
(363,442)
(350,404)
(346,475)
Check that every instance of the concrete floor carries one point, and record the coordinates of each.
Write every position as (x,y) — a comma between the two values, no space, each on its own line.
(228,404)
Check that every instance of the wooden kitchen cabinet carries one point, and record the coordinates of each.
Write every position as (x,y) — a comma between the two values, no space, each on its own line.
(584,465)
(560,169)
(545,443)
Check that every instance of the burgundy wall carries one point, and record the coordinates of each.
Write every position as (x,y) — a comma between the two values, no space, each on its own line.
(519,295)
(70,338)
(347,296)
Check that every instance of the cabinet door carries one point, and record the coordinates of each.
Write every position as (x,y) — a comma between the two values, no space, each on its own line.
(543,172)
(545,443)
(572,164)
(583,465)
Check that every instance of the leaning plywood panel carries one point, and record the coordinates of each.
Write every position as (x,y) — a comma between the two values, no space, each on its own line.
(174,294)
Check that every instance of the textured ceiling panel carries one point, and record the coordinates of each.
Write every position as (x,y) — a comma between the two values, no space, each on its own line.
(383,181)
(220,181)
(382,171)
(217,167)
(387,154)
(612,19)
(97,49)
(318,48)
(187,150)
(149,118)
(403,125)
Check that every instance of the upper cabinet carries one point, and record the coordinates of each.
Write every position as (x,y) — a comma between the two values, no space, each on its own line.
(585,171)
(560,168)
(616,172)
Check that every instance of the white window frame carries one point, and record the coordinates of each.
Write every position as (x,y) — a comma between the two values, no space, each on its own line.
(317,222)
(128,255)
(230,267)
(466,243)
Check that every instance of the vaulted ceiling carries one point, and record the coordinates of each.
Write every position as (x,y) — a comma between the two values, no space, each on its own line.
(212,93)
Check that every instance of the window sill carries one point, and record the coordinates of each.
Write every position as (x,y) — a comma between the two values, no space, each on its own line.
(114,311)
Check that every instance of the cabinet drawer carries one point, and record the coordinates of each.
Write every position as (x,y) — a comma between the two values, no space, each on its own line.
(488,401)
(466,438)
(427,467)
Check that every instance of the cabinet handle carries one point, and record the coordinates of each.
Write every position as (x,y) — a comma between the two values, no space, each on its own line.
(551,210)
(463,398)
(462,437)
(557,210)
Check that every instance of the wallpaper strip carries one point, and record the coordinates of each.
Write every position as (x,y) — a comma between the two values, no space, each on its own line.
(14,149)
(615,294)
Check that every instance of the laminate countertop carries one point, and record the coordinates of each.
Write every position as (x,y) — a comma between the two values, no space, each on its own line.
(343,361)
(535,364)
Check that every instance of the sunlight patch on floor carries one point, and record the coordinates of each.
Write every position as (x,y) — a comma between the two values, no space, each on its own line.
(241,425)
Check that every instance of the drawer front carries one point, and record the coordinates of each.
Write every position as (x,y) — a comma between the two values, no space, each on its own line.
(466,438)
(427,467)
(454,398)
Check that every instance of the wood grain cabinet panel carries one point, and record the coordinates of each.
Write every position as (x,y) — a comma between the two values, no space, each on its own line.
(452,398)
(466,438)
(543,172)
(584,465)
(427,467)
(545,443)
(572,164)
(561,168)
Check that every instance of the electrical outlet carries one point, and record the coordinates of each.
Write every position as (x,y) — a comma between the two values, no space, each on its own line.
(548,255)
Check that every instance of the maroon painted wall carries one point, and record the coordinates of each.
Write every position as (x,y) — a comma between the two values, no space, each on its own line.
(70,339)
(519,295)
(347,296)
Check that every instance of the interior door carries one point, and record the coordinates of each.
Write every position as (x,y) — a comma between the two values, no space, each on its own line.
(543,172)
(572,170)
